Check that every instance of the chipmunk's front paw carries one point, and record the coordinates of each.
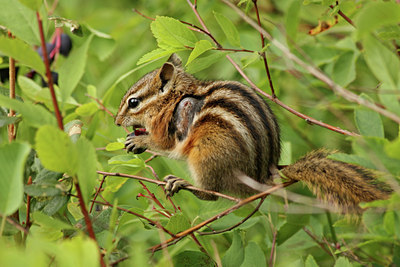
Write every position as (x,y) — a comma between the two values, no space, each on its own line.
(174,184)
(135,143)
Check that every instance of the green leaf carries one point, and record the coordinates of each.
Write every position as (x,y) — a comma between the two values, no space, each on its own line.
(200,47)
(29,87)
(114,146)
(344,69)
(87,160)
(253,256)
(87,110)
(310,262)
(235,254)
(228,28)
(292,20)
(50,222)
(170,33)
(343,262)
(178,223)
(383,63)
(22,52)
(375,15)
(193,258)
(20,20)
(156,54)
(204,62)
(78,251)
(293,225)
(12,161)
(34,115)
(389,222)
(56,151)
(368,122)
(73,68)
(32,4)
(41,190)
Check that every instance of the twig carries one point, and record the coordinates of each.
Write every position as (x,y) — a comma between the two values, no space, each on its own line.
(190,188)
(222,214)
(239,223)
(263,54)
(97,192)
(28,209)
(11,113)
(101,105)
(48,74)
(349,96)
(153,197)
(88,222)
(322,245)
(295,112)
(157,224)
(271,261)
(346,18)
(15,224)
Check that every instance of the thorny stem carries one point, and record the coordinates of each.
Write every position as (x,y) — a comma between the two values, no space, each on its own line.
(48,73)
(222,214)
(263,54)
(88,222)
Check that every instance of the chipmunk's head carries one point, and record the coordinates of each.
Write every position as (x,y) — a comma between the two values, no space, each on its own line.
(144,98)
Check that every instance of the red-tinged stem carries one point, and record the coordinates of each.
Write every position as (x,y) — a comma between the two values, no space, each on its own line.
(48,73)
(97,192)
(11,127)
(88,222)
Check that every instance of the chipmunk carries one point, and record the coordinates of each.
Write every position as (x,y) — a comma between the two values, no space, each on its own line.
(223,129)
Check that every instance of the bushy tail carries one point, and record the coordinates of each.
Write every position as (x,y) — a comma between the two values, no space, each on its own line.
(340,183)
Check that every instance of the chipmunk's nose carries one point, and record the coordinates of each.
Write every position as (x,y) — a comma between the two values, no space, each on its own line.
(117,120)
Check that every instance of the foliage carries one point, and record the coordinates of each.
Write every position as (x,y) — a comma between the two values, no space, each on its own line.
(43,222)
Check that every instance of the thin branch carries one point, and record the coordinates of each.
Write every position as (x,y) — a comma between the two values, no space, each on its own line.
(308,119)
(157,182)
(320,244)
(48,74)
(263,54)
(101,105)
(15,224)
(11,113)
(97,192)
(222,214)
(316,72)
(88,222)
(346,18)
(28,223)
(239,223)
(273,249)
(157,224)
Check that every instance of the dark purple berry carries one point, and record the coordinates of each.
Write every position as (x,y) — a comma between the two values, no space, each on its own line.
(49,47)
(54,75)
(66,44)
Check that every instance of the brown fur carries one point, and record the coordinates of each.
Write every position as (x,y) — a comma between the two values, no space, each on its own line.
(224,129)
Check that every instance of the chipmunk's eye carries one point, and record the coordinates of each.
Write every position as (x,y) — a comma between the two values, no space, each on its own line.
(133,102)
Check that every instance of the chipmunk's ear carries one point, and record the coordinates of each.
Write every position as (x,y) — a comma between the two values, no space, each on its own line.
(165,74)
(175,60)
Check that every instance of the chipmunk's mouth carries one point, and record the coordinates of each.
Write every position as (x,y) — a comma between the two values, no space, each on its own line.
(139,130)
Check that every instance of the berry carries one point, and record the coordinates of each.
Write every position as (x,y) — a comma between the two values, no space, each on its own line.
(49,47)
(140,131)
(54,75)
(66,44)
